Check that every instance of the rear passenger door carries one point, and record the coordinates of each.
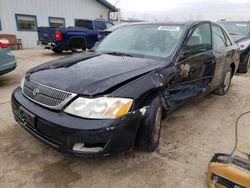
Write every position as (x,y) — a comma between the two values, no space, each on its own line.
(196,66)
(222,52)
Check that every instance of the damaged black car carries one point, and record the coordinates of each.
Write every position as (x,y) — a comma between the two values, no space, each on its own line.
(114,97)
(240,33)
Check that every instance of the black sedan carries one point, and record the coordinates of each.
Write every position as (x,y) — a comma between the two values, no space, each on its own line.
(114,97)
(240,33)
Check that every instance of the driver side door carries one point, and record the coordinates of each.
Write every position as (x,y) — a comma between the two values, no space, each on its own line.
(195,67)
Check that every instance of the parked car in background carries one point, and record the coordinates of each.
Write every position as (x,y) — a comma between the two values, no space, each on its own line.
(84,35)
(7,59)
(114,98)
(240,32)
(107,31)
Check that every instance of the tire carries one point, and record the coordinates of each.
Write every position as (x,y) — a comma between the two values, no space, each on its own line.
(150,127)
(245,66)
(223,89)
(77,43)
(57,51)
(74,50)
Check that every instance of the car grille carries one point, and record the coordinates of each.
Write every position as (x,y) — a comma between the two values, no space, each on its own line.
(46,96)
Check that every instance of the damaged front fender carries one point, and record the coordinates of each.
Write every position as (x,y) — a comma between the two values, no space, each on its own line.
(147,86)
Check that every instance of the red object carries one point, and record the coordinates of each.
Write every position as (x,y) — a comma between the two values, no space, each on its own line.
(58,36)
(4,43)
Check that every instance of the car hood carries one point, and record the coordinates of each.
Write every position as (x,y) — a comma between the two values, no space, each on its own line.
(91,73)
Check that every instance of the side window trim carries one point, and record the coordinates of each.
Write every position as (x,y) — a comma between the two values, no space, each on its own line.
(227,38)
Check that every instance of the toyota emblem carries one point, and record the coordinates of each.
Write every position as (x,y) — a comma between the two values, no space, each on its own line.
(36,92)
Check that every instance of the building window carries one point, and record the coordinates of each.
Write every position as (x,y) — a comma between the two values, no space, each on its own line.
(56,22)
(0,25)
(26,22)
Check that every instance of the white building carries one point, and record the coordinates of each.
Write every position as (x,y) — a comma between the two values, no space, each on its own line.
(22,17)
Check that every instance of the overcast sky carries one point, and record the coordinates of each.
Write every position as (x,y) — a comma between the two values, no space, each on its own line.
(184,9)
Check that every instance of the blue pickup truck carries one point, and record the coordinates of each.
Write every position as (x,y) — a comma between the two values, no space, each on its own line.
(84,35)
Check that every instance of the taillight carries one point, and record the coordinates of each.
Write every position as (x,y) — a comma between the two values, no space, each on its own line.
(4,43)
(58,36)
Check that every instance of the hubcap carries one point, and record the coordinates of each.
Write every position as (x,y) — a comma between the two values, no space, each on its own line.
(227,81)
(157,125)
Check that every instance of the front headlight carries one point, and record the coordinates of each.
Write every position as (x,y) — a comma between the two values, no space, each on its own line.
(244,44)
(22,82)
(100,108)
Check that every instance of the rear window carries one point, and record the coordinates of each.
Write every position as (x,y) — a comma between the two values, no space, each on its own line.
(87,24)
(100,25)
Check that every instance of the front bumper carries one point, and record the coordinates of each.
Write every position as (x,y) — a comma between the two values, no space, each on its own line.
(62,131)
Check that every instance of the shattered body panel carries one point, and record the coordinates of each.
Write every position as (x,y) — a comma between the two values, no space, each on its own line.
(176,80)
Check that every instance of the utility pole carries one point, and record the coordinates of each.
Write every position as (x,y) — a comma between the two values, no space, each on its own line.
(119,13)
(119,16)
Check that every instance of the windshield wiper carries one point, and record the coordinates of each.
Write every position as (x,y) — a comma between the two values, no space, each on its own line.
(118,54)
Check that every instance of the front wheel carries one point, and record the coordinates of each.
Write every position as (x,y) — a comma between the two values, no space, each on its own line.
(149,131)
(223,89)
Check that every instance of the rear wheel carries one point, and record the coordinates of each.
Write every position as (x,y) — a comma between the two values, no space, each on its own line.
(149,131)
(223,89)
(245,66)
(57,51)
(77,43)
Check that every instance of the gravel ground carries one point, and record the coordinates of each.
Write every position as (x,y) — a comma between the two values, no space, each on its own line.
(189,138)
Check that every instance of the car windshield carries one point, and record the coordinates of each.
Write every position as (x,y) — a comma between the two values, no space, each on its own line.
(236,28)
(157,41)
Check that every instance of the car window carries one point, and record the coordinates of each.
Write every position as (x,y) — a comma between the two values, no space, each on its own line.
(219,39)
(158,41)
(200,40)
(237,28)
(100,25)
(108,25)
(84,24)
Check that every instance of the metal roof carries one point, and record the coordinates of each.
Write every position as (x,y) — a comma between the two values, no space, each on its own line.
(108,5)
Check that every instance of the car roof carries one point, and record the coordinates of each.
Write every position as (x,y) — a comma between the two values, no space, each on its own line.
(184,23)
(233,21)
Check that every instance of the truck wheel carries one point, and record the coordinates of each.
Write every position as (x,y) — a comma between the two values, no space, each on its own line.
(84,48)
(245,66)
(223,89)
(57,51)
(77,43)
(150,127)
(73,50)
